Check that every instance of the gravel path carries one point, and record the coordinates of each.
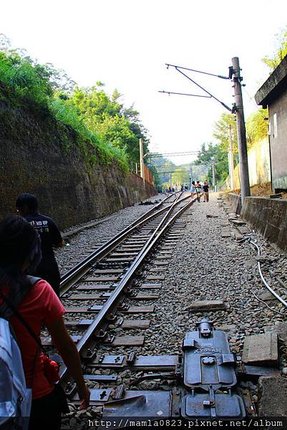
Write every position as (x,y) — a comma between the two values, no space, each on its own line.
(209,263)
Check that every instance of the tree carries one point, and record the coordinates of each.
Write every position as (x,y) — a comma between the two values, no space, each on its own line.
(106,116)
(180,176)
(214,154)
(59,79)
(164,168)
(98,118)
(281,52)
(225,128)
(138,130)
(257,126)
(5,44)
(30,83)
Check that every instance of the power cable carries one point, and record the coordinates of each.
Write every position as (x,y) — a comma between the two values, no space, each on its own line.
(248,238)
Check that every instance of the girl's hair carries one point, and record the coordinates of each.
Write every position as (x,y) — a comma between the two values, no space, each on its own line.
(18,242)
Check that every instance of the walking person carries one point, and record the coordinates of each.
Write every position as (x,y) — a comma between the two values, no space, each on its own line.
(35,305)
(27,206)
(198,190)
(205,188)
(192,189)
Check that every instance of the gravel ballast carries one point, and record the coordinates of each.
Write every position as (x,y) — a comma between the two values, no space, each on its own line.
(210,262)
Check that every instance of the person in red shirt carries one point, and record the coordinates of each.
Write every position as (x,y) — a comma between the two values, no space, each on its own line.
(20,252)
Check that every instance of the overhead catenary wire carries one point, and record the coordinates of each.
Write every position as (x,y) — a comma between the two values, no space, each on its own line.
(197,71)
(184,94)
(180,70)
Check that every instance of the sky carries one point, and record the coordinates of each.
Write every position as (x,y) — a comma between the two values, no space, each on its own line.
(126,44)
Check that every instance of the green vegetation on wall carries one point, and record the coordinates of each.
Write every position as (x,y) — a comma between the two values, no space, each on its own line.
(100,121)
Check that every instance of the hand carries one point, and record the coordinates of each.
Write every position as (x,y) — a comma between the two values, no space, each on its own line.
(85,398)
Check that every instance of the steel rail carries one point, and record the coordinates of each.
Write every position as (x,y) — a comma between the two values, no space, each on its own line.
(68,274)
(83,266)
(111,302)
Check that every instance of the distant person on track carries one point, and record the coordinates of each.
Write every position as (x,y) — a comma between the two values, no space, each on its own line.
(192,189)
(33,304)
(198,190)
(205,188)
(27,206)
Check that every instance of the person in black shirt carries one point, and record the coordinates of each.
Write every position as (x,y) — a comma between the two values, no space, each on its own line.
(198,190)
(205,192)
(27,206)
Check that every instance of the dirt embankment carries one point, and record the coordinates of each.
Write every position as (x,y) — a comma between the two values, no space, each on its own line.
(264,190)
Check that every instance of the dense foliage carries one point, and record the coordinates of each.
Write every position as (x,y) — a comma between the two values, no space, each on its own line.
(215,157)
(281,51)
(98,119)
(27,83)
(225,134)
(162,170)
(109,119)
(257,126)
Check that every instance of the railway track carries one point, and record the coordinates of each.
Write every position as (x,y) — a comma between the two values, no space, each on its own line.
(114,311)
(103,250)
(101,283)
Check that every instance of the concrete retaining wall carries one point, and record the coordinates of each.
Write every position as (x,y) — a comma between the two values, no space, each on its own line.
(43,157)
(263,214)
(269,217)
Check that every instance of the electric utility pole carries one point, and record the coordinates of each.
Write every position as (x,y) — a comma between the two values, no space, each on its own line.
(230,159)
(234,75)
(241,130)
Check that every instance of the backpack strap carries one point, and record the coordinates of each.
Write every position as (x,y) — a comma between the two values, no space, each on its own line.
(19,293)
(9,306)
(20,318)
(33,279)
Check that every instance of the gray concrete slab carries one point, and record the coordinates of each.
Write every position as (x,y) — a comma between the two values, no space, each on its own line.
(261,349)
(272,396)
(206,305)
